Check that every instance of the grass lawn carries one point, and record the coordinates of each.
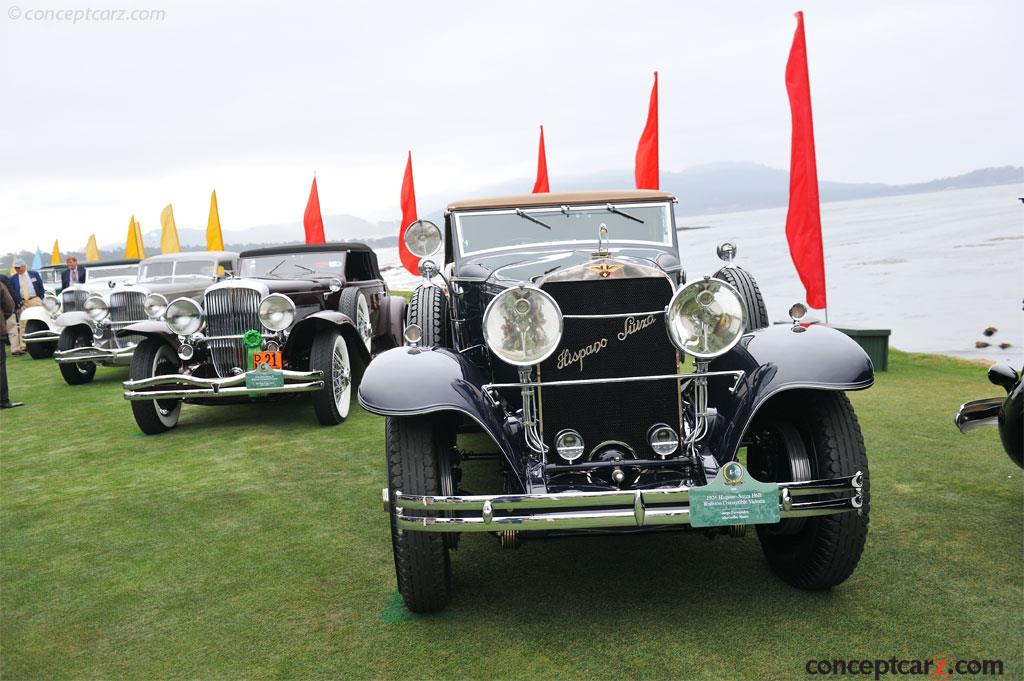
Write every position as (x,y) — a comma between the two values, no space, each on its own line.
(251,543)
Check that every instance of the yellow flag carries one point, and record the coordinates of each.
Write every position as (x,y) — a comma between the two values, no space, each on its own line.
(134,247)
(55,258)
(92,251)
(169,234)
(214,239)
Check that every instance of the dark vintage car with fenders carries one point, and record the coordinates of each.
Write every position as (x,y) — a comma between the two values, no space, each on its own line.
(618,395)
(96,313)
(295,319)
(1007,413)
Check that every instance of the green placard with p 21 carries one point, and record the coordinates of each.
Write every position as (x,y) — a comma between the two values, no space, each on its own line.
(734,498)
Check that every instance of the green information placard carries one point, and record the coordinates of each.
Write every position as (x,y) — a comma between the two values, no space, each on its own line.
(264,377)
(734,498)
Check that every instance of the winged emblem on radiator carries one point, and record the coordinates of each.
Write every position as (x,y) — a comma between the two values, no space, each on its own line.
(604,269)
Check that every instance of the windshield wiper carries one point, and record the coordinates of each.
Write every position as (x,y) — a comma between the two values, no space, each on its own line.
(304,267)
(617,211)
(521,213)
(274,268)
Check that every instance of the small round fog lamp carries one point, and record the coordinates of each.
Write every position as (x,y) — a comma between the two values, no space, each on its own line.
(569,445)
(663,440)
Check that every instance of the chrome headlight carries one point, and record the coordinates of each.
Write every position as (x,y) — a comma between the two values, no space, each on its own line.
(96,308)
(522,325)
(184,317)
(51,304)
(277,312)
(155,305)
(705,318)
(422,238)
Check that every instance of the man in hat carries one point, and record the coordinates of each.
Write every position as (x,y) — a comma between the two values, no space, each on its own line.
(27,291)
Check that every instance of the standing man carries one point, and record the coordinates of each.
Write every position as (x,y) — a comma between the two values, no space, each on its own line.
(73,274)
(7,310)
(9,323)
(27,290)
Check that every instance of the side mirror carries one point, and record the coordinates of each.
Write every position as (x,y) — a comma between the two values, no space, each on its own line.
(1003,376)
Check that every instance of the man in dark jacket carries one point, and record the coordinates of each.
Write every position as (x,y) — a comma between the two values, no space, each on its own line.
(6,309)
(73,274)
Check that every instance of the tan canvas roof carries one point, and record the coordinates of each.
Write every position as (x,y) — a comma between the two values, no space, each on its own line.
(561,198)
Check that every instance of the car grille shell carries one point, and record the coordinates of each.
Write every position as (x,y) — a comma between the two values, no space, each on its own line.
(73,300)
(614,411)
(230,312)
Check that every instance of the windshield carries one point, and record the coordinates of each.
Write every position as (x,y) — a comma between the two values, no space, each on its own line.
(294,265)
(175,270)
(627,223)
(113,272)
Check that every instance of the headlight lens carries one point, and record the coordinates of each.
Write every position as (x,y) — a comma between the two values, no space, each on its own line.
(522,325)
(423,238)
(277,312)
(184,317)
(705,318)
(50,303)
(155,305)
(96,308)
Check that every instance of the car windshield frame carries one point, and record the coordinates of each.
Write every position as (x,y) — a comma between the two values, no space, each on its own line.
(287,269)
(174,275)
(100,272)
(550,214)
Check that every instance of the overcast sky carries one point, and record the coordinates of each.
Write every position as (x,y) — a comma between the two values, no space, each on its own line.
(102,119)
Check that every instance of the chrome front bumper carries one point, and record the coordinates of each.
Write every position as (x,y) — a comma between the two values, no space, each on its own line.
(593,510)
(978,413)
(109,357)
(183,387)
(44,336)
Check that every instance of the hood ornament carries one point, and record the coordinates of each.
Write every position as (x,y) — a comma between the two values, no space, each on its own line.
(602,242)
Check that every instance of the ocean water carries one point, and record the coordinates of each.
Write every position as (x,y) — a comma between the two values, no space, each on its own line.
(936,269)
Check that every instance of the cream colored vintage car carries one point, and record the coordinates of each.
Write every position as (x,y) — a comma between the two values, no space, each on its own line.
(42,332)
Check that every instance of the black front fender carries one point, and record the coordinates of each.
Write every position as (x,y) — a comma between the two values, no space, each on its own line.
(774,360)
(414,381)
(301,337)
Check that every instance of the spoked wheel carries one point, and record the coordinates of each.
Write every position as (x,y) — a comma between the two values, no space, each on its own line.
(803,436)
(79,372)
(353,305)
(154,357)
(418,464)
(330,355)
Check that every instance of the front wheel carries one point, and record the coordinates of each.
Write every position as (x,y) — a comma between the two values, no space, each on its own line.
(330,355)
(418,464)
(79,372)
(811,435)
(154,357)
(39,350)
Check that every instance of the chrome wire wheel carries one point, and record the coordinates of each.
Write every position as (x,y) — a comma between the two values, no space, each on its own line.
(341,374)
(363,324)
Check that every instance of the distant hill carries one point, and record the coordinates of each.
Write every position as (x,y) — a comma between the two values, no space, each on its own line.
(701,190)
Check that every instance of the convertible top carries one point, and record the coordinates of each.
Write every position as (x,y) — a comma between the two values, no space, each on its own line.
(307,248)
(104,263)
(560,198)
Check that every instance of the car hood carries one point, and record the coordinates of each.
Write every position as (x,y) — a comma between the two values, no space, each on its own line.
(285,286)
(531,266)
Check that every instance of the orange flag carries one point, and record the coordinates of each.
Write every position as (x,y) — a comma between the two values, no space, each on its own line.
(408,201)
(312,220)
(541,185)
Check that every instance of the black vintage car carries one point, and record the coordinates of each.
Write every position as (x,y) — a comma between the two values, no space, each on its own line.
(296,319)
(617,395)
(96,313)
(1005,412)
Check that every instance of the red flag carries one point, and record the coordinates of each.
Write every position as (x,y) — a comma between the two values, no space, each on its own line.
(541,185)
(803,221)
(312,220)
(647,150)
(408,200)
